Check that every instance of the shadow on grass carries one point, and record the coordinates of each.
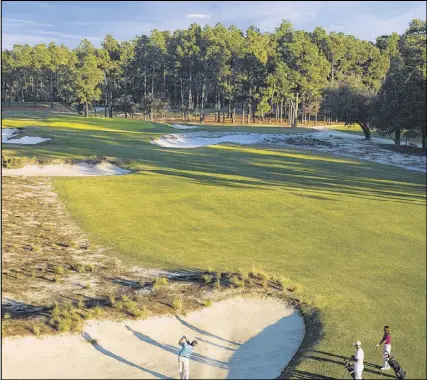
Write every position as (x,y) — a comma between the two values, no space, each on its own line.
(104,351)
(233,165)
(335,360)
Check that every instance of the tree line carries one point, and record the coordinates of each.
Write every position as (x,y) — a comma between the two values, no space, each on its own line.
(290,74)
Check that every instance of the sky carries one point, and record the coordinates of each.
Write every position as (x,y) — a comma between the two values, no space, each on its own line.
(68,22)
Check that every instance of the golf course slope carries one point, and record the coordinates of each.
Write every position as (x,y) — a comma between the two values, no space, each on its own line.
(251,338)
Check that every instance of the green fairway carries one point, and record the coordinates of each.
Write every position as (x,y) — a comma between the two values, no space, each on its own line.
(352,233)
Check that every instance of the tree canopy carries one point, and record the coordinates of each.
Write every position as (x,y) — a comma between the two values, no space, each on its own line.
(288,73)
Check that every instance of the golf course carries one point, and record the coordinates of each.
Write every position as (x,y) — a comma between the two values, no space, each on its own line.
(350,234)
(214,190)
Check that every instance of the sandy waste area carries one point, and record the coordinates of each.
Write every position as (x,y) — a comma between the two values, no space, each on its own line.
(182,126)
(250,338)
(322,139)
(7,135)
(67,170)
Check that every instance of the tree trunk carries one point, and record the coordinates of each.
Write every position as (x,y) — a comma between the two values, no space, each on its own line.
(397,134)
(182,91)
(281,111)
(145,93)
(365,129)
(249,112)
(219,101)
(86,109)
(152,81)
(423,138)
(202,106)
(51,89)
(190,98)
(243,113)
(315,119)
(233,115)
(295,123)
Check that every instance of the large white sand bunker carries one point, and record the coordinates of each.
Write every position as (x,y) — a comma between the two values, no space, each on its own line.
(182,126)
(7,135)
(238,338)
(67,170)
(322,139)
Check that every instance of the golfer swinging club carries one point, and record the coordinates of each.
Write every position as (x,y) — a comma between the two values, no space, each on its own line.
(184,356)
(387,347)
(358,360)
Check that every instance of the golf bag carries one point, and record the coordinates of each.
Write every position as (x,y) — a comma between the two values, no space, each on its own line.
(398,370)
(350,368)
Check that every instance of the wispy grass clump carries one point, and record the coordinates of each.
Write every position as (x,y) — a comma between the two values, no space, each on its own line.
(236,282)
(90,267)
(130,307)
(65,317)
(36,329)
(159,282)
(207,303)
(177,303)
(207,278)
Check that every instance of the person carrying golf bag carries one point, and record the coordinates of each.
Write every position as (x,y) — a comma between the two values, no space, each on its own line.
(350,368)
(386,339)
(356,369)
(398,370)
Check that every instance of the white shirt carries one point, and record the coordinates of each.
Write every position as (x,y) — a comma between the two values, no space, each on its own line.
(360,356)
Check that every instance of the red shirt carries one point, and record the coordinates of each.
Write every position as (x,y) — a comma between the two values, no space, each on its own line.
(387,338)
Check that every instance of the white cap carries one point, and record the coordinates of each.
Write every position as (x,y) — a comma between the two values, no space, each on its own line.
(358,343)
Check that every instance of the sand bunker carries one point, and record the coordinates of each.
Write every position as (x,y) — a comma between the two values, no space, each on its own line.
(238,338)
(67,170)
(181,126)
(322,139)
(7,135)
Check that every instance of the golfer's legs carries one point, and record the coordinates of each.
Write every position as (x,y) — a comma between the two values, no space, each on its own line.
(180,367)
(186,363)
(387,347)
